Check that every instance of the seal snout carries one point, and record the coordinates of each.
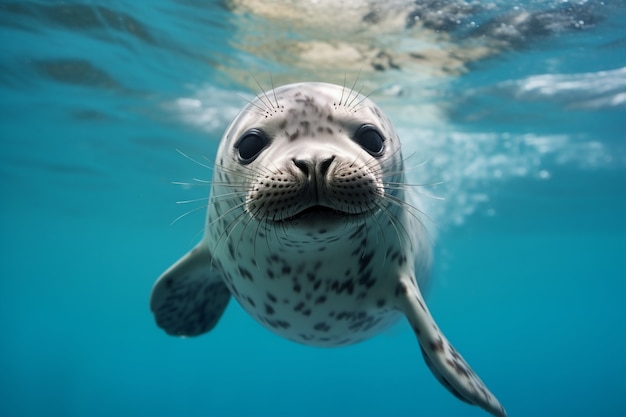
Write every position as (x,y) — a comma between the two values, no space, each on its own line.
(314,166)
(315,171)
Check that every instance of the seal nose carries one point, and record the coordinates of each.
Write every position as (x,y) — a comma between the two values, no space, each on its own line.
(318,166)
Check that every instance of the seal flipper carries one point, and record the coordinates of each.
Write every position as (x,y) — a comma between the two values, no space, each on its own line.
(442,359)
(189,298)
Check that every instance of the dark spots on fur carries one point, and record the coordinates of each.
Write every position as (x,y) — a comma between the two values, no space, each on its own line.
(297,288)
(320,300)
(381,302)
(317,284)
(276,324)
(357,232)
(273,258)
(286,270)
(307,312)
(330,118)
(270,274)
(169,282)
(272,297)
(347,286)
(299,306)
(250,301)
(400,289)
(322,326)
(363,322)
(282,124)
(284,324)
(345,315)
(245,274)
(436,346)
(458,368)
(366,280)
(269,309)
(294,135)
(310,276)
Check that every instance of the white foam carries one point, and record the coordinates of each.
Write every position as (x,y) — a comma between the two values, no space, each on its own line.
(589,90)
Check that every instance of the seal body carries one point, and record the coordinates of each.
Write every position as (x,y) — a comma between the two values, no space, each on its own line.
(311,227)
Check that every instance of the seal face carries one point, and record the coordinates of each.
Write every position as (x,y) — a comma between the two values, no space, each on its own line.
(311,227)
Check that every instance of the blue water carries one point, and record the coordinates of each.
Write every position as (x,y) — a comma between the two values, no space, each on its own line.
(529,281)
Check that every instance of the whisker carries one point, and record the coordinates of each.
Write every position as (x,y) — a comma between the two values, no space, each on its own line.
(193,160)
(229,228)
(268,104)
(204,206)
(349,105)
(263,111)
(365,97)
(352,88)
(195,200)
(413,211)
(393,219)
(274,91)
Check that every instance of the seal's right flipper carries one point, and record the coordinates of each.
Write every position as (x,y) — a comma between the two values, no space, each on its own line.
(189,298)
(442,359)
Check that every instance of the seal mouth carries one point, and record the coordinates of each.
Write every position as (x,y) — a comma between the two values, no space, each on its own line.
(319,212)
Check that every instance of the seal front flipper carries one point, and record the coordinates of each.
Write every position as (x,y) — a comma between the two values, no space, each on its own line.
(442,359)
(189,298)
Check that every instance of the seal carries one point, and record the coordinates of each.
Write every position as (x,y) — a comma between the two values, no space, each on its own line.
(312,229)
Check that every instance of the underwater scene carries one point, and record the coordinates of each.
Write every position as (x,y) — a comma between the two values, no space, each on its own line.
(512,119)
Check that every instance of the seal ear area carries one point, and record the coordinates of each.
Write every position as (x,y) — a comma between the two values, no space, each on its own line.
(250,145)
(370,139)
(189,298)
(446,364)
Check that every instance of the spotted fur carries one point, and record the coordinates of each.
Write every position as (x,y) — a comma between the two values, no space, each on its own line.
(311,228)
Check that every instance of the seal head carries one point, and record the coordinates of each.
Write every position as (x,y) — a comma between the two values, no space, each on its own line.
(313,230)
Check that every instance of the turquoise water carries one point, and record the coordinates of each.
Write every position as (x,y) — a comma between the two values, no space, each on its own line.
(529,280)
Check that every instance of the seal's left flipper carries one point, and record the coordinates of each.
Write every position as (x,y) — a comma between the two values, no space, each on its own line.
(190,297)
(442,359)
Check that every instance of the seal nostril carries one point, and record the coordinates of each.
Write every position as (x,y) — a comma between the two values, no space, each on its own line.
(302,165)
(325,164)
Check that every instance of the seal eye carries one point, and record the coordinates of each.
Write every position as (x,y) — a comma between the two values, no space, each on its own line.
(250,145)
(370,139)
